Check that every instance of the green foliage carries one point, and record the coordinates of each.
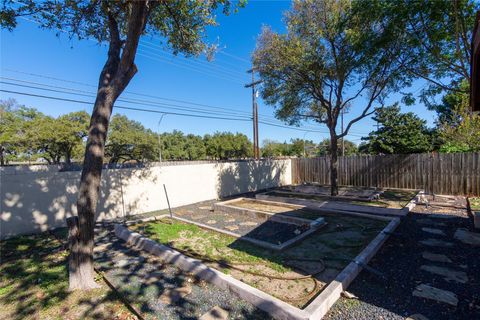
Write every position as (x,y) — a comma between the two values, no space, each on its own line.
(27,134)
(458,128)
(438,34)
(226,145)
(129,140)
(333,52)
(182,24)
(60,138)
(463,136)
(296,148)
(350,147)
(399,133)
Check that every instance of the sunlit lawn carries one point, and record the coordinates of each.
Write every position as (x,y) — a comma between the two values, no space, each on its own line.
(34,284)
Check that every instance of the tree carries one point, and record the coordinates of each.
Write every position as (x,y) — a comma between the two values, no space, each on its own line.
(350,147)
(272,148)
(458,128)
(226,145)
(399,133)
(173,145)
(438,35)
(182,25)
(334,56)
(15,125)
(57,139)
(129,140)
(195,147)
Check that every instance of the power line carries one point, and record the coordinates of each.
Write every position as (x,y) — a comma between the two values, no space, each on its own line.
(153,111)
(159,58)
(89,94)
(202,63)
(121,107)
(84,93)
(125,92)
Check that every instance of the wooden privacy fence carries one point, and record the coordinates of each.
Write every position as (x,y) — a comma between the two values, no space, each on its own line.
(455,173)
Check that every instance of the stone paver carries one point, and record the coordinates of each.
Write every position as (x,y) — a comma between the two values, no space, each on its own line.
(468,237)
(248,223)
(211,221)
(216,313)
(441,216)
(173,295)
(417,316)
(432,293)
(231,228)
(436,243)
(435,257)
(430,222)
(447,273)
(434,231)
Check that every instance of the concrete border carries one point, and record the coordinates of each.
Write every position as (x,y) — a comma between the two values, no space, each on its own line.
(332,205)
(229,207)
(274,306)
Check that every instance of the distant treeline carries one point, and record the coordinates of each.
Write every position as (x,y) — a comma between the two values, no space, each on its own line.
(29,135)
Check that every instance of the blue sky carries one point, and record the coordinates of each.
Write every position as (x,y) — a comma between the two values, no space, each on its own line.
(29,51)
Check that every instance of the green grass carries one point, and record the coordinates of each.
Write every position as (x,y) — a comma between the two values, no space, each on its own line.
(475,203)
(212,245)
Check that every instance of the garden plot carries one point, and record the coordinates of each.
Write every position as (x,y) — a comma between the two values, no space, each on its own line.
(263,225)
(396,202)
(300,282)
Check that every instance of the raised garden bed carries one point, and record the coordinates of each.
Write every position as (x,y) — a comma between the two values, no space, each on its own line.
(300,282)
(393,202)
(474,209)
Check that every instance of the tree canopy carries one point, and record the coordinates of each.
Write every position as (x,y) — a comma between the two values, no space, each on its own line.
(334,56)
(398,133)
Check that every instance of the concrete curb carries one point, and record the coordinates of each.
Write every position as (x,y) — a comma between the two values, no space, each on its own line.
(265,302)
(332,206)
(275,307)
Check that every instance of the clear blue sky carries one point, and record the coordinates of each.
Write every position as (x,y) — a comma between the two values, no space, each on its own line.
(220,83)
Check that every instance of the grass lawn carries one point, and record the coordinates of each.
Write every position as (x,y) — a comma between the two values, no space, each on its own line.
(34,284)
(323,254)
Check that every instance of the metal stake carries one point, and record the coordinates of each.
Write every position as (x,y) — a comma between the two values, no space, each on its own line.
(168,202)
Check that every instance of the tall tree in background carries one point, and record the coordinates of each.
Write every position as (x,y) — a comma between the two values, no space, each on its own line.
(14,124)
(180,23)
(438,34)
(129,140)
(335,56)
(57,139)
(350,147)
(398,133)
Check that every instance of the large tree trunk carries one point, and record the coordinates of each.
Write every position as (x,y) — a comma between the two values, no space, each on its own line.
(81,255)
(333,165)
(114,78)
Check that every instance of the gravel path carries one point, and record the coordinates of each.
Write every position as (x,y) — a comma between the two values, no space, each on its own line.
(401,260)
(148,284)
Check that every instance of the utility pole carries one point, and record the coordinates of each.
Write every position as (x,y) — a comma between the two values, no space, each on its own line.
(160,138)
(256,149)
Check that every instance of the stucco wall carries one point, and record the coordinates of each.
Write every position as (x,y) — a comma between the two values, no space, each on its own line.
(35,199)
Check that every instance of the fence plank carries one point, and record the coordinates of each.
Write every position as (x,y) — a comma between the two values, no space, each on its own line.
(457,173)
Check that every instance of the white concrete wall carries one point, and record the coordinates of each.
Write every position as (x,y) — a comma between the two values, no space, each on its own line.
(40,198)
